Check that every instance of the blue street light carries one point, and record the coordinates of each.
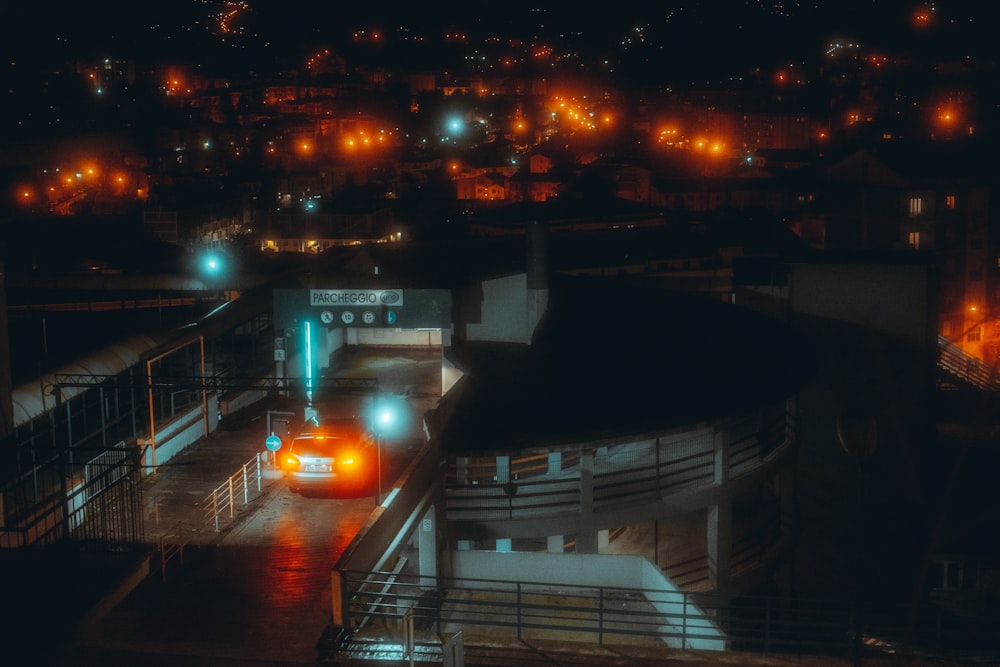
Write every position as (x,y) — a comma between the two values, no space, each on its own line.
(212,265)
(385,418)
(385,415)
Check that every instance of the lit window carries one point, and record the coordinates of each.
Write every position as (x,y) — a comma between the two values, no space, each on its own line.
(915,240)
(974,336)
(949,202)
(916,206)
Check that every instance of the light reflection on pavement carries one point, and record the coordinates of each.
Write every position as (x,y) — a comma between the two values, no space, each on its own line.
(261,593)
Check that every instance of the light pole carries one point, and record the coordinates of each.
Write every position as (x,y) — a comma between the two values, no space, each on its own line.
(383,418)
(857,432)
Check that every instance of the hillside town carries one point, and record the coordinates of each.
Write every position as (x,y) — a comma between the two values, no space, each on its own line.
(857,148)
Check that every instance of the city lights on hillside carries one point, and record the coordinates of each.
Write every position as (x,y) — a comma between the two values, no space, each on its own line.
(60,189)
(228,16)
(923,16)
(175,83)
(371,36)
(579,113)
(361,140)
(668,136)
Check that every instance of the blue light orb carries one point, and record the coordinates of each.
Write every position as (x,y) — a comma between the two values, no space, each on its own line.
(385,415)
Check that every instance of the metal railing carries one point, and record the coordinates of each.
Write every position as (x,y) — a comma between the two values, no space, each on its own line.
(96,505)
(220,505)
(648,469)
(219,382)
(218,509)
(961,366)
(381,604)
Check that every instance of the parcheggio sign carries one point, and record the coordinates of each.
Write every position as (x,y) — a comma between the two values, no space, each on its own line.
(356,297)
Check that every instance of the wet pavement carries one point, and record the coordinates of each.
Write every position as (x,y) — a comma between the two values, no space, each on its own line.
(252,588)
(257,590)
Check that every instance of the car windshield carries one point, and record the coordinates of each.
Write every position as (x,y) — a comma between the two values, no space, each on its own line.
(321,446)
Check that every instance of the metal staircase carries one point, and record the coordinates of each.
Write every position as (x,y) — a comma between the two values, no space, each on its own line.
(957,370)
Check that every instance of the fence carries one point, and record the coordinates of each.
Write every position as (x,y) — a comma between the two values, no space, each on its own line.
(971,370)
(380,606)
(96,505)
(215,512)
(552,483)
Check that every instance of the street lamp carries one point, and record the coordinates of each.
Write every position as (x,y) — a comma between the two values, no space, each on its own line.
(384,418)
(215,269)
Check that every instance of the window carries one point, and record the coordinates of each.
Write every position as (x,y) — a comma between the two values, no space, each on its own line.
(947,575)
(916,206)
(915,240)
(949,202)
(973,336)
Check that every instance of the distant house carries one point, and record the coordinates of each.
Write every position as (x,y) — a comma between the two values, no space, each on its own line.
(926,199)
(539,163)
(317,232)
(483,187)
(533,186)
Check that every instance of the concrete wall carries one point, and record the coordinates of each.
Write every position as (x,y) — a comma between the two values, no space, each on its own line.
(594,571)
(398,337)
(172,437)
(889,298)
(504,312)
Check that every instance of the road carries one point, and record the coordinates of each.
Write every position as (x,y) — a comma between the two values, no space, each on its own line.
(261,594)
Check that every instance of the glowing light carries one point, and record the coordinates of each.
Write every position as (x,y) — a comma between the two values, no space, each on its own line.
(309,363)
(385,415)
(947,116)
(922,17)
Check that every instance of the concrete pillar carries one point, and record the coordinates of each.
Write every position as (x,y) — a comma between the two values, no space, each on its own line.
(555,463)
(554,544)
(586,482)
(537,297)
(603,539)
(586,542)
(720,545)
(719,528)
(427,550)
(462,470)
(503,469)
(720,473)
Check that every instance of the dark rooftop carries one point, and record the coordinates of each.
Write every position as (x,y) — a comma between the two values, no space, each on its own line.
(612,359)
